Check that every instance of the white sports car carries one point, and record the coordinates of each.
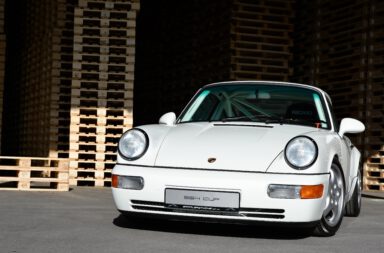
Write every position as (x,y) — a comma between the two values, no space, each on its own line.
(242,152)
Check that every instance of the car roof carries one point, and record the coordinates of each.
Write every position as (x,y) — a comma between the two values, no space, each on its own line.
(270,83)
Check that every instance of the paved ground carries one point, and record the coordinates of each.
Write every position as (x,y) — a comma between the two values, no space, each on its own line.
(85,220)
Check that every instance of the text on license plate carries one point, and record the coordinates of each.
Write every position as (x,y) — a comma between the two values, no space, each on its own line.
(202,198)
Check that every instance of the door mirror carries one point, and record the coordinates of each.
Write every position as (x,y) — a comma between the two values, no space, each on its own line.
(349,125)
(168,119)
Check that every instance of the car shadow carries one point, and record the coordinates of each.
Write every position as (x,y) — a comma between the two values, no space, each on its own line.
(214,229)
(374,195)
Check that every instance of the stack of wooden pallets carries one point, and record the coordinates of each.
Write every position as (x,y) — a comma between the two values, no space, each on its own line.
(338,46)
(261,40)
(330,52)
(342,56)
(374,140)
(61,57)
(33,174)
(72,83)
(199,42)
(102,87)
(70,92)
(306,42)
(34,81)
(39,77)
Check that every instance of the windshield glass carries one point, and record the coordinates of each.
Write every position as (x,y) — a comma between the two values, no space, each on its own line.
(258,103)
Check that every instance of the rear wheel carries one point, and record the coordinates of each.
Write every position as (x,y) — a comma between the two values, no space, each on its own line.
(353,206)
(334,210)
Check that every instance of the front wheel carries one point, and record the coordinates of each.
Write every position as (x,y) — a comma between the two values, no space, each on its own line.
(334,210)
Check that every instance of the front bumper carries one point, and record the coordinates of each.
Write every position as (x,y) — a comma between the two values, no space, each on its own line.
(255,204)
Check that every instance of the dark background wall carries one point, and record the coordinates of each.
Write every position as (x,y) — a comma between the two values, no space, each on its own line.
(180,46)
(335,45)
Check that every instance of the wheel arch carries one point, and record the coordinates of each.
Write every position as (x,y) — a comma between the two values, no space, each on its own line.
(355,166)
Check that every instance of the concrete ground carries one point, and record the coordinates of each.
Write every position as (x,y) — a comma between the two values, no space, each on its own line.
(85,220)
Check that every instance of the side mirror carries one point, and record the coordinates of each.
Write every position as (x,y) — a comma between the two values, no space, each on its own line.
(168,119)
(349,125)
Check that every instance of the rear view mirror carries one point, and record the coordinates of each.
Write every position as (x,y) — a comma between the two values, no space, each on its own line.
(349,125)
(168,119)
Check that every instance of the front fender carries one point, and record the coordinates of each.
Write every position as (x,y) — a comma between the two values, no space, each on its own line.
(328,147)
(156,135)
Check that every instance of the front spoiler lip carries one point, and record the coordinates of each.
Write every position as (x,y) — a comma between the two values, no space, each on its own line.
(216,220)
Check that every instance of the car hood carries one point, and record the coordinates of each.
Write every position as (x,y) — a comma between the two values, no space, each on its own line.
(234,146)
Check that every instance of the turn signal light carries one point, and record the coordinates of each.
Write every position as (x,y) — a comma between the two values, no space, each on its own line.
(127,182)
(279,191)
(115,181)
(311,191)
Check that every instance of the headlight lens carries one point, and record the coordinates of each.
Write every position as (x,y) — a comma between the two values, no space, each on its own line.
(301,152)
(133,144)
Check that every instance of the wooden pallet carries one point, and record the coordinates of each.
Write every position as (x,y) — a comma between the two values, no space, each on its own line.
(103,32)
(90,182)
(110,5)
(373,176)
(105,22)
(373,184)
(113,59)
(33,174)
(92,165)
(90,173)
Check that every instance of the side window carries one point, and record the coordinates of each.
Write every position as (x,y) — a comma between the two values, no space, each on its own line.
(335,122)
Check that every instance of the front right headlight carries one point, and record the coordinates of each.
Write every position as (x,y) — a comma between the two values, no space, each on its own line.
(301,152)
(133,144)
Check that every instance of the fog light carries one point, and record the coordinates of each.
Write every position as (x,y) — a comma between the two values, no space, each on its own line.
(295,191)
(284,191)
(127,182)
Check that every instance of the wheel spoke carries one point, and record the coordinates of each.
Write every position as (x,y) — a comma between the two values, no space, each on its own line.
(335,198)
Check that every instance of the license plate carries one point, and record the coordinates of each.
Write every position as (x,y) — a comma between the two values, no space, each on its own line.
(202,198)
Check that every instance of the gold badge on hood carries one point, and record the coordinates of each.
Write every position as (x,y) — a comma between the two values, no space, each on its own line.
(211,160)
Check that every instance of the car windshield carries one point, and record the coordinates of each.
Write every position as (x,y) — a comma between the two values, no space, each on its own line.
(279,104)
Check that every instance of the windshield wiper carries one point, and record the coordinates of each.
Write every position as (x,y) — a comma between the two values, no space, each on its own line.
(267,119)
(298,121)
(258,117)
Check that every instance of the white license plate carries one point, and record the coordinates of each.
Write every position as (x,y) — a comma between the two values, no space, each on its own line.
(202,198)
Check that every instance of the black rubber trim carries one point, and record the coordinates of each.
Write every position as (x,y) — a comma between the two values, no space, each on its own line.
(233,212)
(217,220)
(222,170)
(243,125)
(241,209)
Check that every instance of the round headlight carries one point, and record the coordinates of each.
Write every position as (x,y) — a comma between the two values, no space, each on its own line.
(133,144)
(301,152)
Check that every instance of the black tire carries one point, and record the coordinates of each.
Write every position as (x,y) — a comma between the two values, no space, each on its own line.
(353,207)
(334,211)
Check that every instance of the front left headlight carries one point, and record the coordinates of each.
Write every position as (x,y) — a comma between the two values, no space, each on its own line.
(301,152)
(133,144)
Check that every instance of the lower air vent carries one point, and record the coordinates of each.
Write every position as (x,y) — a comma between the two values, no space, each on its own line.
(242,212)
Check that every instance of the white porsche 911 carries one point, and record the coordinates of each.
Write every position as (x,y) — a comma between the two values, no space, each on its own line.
(242,152)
